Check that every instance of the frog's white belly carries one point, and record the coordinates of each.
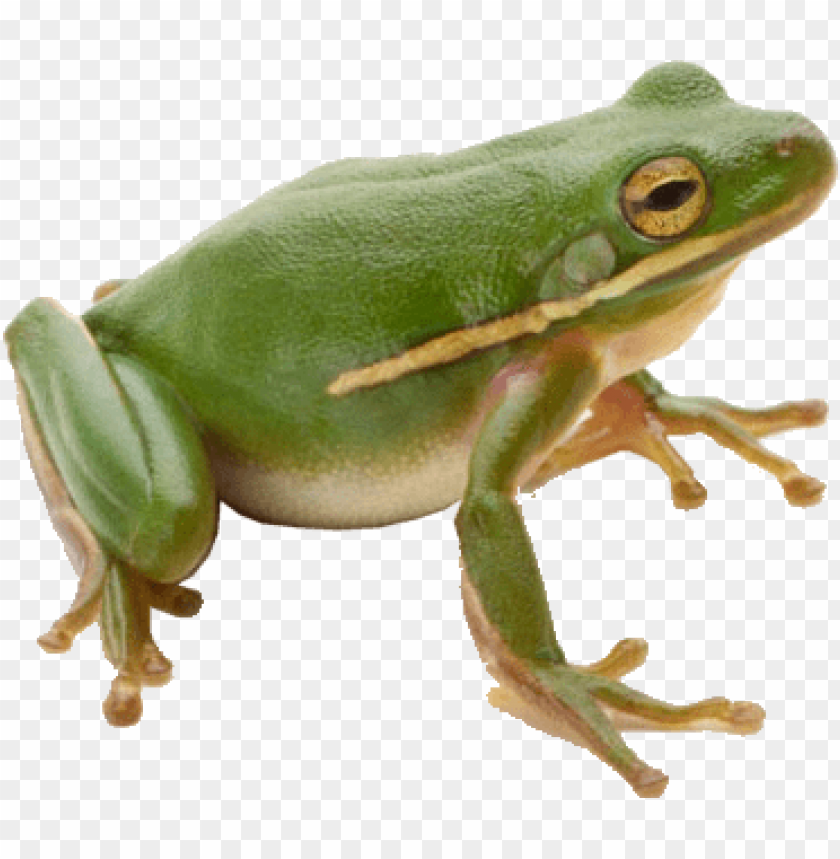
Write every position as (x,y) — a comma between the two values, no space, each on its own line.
(350,497)
(423,482)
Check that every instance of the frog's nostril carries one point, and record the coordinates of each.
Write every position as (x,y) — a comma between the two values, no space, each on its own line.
(786,145)
(811,147)
(801,134)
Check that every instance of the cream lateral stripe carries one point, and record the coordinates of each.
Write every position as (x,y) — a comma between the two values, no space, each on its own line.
(456,344)
(450,347)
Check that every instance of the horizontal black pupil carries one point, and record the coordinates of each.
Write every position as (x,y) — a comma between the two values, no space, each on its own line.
(670,196)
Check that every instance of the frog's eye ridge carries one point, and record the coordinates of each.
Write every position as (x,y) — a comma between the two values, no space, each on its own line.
(665,198)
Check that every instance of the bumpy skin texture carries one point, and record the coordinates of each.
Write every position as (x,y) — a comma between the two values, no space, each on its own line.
(363,259)
(519,300)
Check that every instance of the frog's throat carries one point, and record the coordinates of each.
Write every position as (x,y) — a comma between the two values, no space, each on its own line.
(684,259)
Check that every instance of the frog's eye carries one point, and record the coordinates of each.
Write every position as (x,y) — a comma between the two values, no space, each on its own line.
(665,198)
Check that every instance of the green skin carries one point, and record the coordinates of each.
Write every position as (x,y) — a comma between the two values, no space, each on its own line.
(215,365)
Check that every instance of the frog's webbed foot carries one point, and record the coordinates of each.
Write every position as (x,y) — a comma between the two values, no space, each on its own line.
(588,706)
(638,415)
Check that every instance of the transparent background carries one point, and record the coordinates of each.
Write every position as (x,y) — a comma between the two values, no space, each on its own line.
(328,700)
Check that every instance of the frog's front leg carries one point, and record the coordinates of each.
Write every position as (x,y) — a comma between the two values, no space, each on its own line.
(127,485)
(504,597)
(637,414)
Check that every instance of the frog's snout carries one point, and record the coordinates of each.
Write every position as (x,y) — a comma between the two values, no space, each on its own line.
(805,141)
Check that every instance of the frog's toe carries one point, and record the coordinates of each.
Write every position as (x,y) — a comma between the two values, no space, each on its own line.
(123,707)
(648,438)
(56,640)
(626,656)
(82,613)
(807,413)
(800,414)
(155,668)
(803,491)
(149,667)
(177,600)
(688,494)
(630,710)
(649,783)
(745,718)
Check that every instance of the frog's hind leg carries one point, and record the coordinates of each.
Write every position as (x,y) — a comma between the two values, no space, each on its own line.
(637,415)
(80,543)
(128,487)
(739,430)
(617,421)
(124,614)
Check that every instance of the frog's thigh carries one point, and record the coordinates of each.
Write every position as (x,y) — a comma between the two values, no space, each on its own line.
(128,486)
(117,443)
(179,525)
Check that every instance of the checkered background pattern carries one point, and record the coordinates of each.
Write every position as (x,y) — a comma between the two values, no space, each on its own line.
(328,699)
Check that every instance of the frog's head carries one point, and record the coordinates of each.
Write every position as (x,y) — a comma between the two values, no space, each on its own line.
(691,180)
(671,183)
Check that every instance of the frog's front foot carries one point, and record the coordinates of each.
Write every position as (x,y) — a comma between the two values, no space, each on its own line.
(589,707)
(637,414)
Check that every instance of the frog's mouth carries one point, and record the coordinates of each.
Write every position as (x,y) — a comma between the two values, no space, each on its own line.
(696,256)
(668,268)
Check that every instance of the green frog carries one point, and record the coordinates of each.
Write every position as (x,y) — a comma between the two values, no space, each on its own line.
(382,338)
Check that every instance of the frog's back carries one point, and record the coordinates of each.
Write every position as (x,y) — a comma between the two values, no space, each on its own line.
(374,257)
(418,232)
(348,265)
(354,263)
